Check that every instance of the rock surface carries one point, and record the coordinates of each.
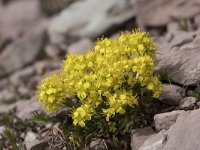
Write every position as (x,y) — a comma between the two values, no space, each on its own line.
(182,62)
(72,23)
(139,136)
(98,145)
(21,52)
(184,133)
(155,142)
(166,120)
(15,21)
(188,103)
(25,112)
(171,94)
(80,47)
(160,12)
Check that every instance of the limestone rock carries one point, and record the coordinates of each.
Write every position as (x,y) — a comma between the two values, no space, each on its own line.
(160,12)
(171,94)
(182,63)
(184,133)
(155,142)
(97,145)
(139,136)
(18,17)
(79,21)
(25,108)
(80,47)
(165,120)
(21,52)
(187,103)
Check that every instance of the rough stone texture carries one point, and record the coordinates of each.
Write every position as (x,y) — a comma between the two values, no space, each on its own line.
(139,136)
(160,12)
(181,39)
(188,103)
(25,108)
(182,63)
(30,136)
(171,94)
(79,21)
(80,47)
(22,75)
(97,145)
(25,112)
(166,120)
(22,51)
(197,20)
(52,51)
(2,128)
(184,134)
(7,95)
(155,142)
(18,17)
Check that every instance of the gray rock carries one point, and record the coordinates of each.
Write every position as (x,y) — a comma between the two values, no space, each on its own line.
(2,128)
(30,136)
(184,134)
(160,12)
(7,95)
(155,142)
(181,39)
(23,51)
(79,21)
(139,136)
(197,21)
(188,103)
(171,94)
(12,26)
(25,108)
(22,75)
(173,29)
(52,51)
(182,62)
(25,112)
(45,65)
(4,108)
(80,47)
(24,92)
(4,83)
(98,144)
(166,120)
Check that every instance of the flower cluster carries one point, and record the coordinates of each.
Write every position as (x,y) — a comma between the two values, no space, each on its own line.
(104,80)
(52,92)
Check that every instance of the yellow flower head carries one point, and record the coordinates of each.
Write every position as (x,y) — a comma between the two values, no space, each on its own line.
(51,92)
(104,79)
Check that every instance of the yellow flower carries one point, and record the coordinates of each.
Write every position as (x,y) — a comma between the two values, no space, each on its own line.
(105,77)
(81,114)
(51,92)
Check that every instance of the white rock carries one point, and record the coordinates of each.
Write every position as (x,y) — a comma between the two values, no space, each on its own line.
(80,47)
(187,103)
(155,142)
(30,136)
(166,120)
(89,18)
